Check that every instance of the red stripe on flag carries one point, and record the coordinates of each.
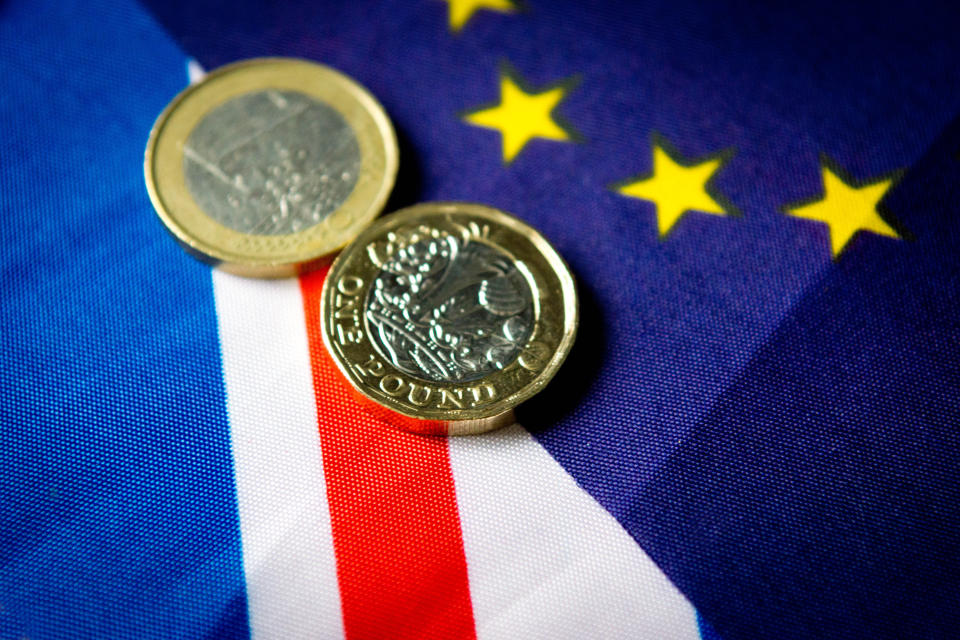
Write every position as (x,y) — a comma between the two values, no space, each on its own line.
(396,529)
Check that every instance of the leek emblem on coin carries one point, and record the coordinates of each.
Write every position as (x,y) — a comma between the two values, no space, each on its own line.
(445,316)
(268,165)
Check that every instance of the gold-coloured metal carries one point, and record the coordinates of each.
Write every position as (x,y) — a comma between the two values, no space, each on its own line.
(445,316)
(282,251)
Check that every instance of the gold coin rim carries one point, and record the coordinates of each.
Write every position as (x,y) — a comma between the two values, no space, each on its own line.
(277,255)
(558,268)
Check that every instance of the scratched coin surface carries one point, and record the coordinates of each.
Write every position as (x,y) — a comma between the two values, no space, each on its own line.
(444,316)
(269,165)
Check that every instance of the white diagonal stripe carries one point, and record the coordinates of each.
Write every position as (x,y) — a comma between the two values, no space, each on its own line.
(545,559)
(285,530)
(195,73)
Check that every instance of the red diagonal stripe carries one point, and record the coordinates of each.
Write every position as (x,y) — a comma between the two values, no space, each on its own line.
(396,529)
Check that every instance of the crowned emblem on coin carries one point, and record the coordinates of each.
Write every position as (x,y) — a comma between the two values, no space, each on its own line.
(447,305)
(445,316)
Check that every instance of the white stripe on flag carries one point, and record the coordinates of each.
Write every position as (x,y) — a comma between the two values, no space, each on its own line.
(543,556)
(195,73)
(285,530)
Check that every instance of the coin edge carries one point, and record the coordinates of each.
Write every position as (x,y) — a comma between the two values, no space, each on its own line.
(269,268)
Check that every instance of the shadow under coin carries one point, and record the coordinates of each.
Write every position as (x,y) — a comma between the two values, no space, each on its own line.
(408,189)
(573,381)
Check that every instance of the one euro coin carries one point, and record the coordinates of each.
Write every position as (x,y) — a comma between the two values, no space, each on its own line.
(268,166)
(443,317)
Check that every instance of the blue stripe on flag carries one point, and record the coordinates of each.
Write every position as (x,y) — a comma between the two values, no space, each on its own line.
(117,504)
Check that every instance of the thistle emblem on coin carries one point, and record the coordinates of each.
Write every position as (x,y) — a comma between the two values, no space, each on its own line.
(447,305)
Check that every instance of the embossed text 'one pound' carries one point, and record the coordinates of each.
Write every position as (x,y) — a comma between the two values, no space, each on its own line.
(346,314)
(419,394)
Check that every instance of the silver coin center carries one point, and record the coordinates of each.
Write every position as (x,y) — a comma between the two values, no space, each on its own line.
(447,308)
(271,162)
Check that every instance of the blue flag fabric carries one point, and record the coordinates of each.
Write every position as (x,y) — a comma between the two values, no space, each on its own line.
(768,404)
(111,513)
(834,484)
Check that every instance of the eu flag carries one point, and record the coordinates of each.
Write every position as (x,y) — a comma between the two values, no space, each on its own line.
(756,435)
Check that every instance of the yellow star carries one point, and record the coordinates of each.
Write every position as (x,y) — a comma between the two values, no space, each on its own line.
(463,10)
(676,188)
(846,209)
(521,116)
